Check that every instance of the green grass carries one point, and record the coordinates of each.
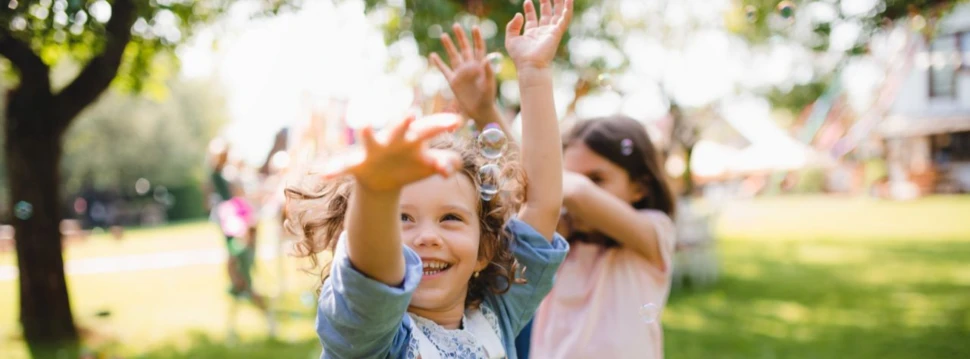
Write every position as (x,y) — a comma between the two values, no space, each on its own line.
(160,313)
(188,236)
(802,277)
(832,278)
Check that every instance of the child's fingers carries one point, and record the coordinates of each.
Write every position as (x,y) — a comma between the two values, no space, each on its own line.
(399,131)
(557,9)
(567,16)
(530,15)
(431,126)
(449,46)
(479,42)
(487,67)
(514,28)
(445,70)
(466,50)
(545,8)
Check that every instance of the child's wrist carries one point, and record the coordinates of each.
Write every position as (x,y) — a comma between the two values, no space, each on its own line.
(487,115)
(530,75)
(377,190)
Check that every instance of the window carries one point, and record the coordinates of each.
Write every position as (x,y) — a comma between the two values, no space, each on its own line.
(951,147)
(944,62)
(965,49)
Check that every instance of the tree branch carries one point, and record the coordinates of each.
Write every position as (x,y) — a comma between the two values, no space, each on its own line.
(34,74)
(101,70)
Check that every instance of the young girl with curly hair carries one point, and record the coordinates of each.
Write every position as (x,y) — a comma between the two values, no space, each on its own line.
(426,261)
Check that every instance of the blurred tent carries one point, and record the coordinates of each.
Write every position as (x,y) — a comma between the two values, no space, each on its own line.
(777,156)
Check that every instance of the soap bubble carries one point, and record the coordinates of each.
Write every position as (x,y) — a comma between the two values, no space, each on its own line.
(492,143)
(307,299)
(490,177)
(434,31)
(649,313)
(495,61)
(23,210)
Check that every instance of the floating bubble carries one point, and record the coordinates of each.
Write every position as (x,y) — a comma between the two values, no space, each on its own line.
(495,61)
(489,176)
(142,186)
(786,9)
(649,313)
(751,13)
(307,299)
(492,143)
(488,27)
(434,31)
(160,194)
(23,210)
(605,81)
(626,147)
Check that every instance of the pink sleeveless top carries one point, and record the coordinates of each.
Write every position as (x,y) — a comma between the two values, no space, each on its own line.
(593,310)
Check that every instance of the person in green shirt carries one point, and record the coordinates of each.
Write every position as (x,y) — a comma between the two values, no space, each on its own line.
(227,196)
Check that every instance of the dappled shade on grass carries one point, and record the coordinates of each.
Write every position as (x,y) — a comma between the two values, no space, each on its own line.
(795,289)
(802,277)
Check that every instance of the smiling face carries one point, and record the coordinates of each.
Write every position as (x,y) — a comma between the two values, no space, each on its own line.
(440,222)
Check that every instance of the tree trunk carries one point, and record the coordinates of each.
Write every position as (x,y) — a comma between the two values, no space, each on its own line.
(33,152)
(688,174)
(36,121)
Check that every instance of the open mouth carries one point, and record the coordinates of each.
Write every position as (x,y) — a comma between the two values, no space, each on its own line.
(434,267)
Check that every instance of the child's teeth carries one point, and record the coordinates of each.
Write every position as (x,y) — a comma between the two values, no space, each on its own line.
(434,267)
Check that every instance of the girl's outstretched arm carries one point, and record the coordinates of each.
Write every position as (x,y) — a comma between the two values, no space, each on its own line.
(533,50)
(607,214)
(386,164)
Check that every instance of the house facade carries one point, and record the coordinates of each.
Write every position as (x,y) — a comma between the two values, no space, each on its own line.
(927,130)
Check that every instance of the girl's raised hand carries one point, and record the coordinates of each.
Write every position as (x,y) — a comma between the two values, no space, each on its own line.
(398,156)
(536,46)
(470,75)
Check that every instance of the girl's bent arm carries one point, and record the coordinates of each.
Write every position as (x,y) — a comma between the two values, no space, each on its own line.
(605,213)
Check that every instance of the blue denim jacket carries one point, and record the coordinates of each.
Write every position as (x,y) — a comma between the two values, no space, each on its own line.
(358,317)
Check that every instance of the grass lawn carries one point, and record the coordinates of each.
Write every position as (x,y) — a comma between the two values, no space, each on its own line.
(802,277)
(162,313)
(832,278)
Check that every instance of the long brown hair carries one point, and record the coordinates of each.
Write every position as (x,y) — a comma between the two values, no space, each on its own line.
(625,142)
(316,210)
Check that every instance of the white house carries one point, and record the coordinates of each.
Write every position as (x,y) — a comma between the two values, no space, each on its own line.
(927,127)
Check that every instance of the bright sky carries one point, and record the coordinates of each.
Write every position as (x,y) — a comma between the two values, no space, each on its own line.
(275,68)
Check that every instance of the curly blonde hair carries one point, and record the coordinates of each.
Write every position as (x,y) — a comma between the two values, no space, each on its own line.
(315,212)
